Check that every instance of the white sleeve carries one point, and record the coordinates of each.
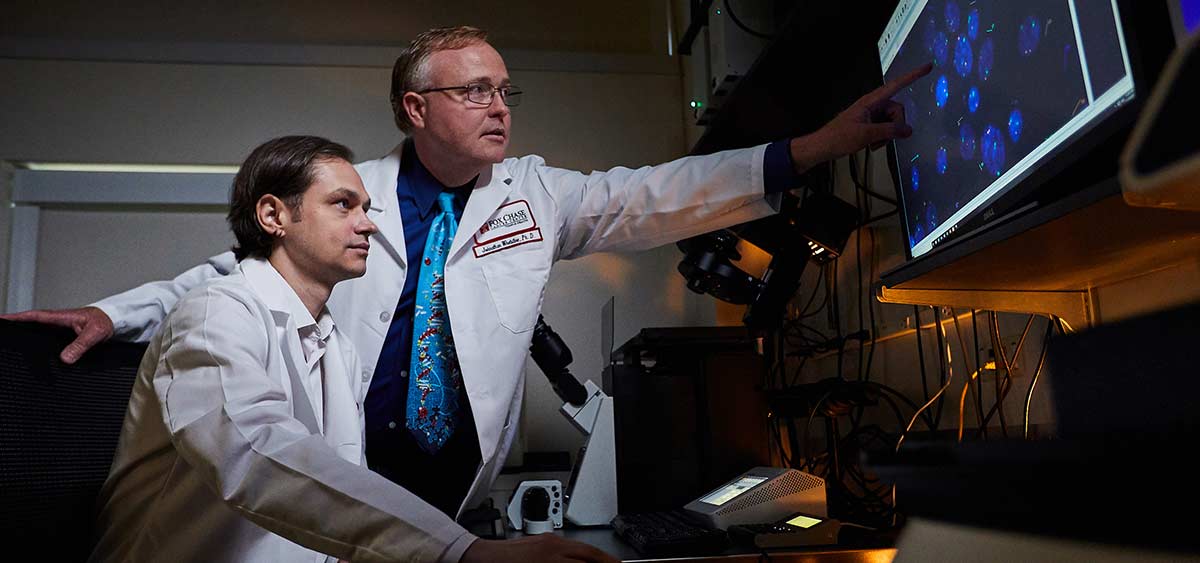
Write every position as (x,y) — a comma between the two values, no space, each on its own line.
(136,313)
(636,209)
(232,422)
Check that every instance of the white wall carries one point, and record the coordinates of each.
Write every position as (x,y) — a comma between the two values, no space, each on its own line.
(131,112)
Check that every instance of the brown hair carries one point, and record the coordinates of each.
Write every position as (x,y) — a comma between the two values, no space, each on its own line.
(410,74)
(284,168)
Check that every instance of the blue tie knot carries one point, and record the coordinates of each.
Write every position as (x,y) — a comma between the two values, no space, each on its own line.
(446,203)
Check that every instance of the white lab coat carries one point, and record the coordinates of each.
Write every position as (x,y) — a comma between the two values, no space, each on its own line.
(224,437)
(522,217)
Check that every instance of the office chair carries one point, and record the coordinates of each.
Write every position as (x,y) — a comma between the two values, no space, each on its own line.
(59,426)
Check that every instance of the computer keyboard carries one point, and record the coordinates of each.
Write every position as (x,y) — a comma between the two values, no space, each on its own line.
(668,533)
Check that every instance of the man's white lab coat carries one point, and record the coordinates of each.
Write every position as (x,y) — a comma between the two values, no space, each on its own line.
(521,218)
(225,437)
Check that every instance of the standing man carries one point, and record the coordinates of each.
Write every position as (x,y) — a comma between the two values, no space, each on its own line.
(443,321)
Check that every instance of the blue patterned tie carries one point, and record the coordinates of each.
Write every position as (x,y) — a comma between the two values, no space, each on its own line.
(434,376)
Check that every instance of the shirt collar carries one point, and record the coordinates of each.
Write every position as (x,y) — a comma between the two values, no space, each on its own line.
(423,187)
(279,296)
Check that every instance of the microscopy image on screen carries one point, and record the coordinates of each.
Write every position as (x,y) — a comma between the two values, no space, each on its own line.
(1006,76)
(1013,82)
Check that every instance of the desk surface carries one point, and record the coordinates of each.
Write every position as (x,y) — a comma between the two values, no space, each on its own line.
(606,540)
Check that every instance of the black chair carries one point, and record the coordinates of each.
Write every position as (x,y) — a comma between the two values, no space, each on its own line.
(59,426)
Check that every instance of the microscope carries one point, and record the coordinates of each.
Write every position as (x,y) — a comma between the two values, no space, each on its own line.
(591,494)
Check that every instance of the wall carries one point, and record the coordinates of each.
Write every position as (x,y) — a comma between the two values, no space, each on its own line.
(582,110)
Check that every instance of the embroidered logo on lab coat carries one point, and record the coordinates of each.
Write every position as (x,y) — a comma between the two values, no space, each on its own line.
(512,225)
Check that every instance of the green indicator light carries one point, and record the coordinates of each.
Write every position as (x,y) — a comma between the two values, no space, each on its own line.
(694,104)
(718,11)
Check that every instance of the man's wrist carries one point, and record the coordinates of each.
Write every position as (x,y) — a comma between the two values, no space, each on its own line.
(807,151)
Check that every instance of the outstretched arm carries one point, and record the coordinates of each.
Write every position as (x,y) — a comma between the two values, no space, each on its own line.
(133,315)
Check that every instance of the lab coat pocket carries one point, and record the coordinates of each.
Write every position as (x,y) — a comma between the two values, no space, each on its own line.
(517,293)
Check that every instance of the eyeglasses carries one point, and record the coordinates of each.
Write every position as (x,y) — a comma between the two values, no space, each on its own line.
(483,93)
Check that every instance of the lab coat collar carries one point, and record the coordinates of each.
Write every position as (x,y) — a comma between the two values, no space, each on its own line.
(491,190)
(380,181)
(287,311)
(279,296)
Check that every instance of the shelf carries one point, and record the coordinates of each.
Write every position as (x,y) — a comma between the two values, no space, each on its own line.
(1050,260)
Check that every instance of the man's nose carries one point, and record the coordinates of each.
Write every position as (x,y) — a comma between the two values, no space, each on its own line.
(497,108)
(366,226)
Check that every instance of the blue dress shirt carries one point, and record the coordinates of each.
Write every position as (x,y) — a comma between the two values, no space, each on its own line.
(441,479)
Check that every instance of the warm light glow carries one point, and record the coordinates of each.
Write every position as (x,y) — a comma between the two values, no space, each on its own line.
(138,168)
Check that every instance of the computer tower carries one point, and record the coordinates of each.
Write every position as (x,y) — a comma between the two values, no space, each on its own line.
(690,413)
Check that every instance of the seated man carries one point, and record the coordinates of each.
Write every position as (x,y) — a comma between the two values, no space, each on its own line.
(244,437)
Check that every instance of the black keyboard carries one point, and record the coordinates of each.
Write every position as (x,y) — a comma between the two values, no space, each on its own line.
(667,534)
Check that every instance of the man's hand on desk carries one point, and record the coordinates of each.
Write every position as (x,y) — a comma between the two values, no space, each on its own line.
(542,547)
(90,324)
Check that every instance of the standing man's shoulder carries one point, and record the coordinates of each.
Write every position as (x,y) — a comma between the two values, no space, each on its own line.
(215,298)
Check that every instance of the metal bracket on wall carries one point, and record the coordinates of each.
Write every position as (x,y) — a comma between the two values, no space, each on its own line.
(1078,308)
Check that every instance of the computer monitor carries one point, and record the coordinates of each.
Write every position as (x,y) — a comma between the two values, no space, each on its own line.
(1019,90)
(1185,17)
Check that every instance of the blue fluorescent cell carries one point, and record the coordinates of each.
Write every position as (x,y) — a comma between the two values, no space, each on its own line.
(931,217)
(941,92)
(916,178)
(941,48)
(962,56)
(993,150)
(1015,123)
(973,99)
(953,16)
(966,141)
(942,161)
(1068,56)
(987,58)
(929,34)
(1029,34)
(973,24)
(920,230)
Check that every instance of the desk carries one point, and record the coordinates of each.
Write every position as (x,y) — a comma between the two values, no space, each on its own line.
(606,540)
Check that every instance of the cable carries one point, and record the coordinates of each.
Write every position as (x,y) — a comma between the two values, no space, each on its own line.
(921,358)
(919,411)
(859,268)
(739,23)
(973,370)
(871,307)
(979,372)
(864,186)
(940,335)
(1041,361)
(962,401)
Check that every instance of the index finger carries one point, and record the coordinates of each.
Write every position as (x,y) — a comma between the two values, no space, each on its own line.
(39,316)
(888,90)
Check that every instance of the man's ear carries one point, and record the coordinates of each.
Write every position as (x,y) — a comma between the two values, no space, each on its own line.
(414,107)
(273,215)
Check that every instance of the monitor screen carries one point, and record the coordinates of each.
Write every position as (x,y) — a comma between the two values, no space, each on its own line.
(1013,83)
(1185,16)
(732,490)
